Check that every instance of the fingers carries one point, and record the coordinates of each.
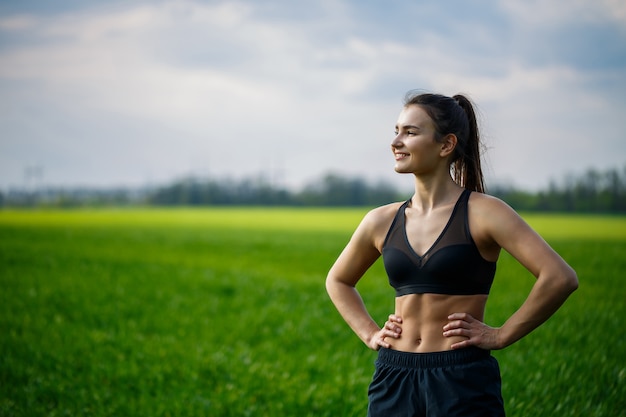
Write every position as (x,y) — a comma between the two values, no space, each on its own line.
(461,345)
(382,343)
(379,340)
(457,324)
(458,321)
(390,326)
(461,316)
(461,324)
(394,318)
(391,330)
(458,332)
(475,332)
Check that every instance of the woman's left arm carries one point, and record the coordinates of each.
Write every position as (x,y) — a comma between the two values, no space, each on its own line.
(555,279)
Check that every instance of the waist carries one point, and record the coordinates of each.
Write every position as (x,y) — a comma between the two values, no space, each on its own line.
(423,338)
(425,315)
(431,359)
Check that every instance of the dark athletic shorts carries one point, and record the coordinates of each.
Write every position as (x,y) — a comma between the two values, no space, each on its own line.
(463,382)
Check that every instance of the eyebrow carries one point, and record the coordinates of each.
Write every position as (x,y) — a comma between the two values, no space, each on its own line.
(408,127)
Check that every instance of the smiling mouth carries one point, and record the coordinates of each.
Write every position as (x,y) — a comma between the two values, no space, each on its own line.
(400,155)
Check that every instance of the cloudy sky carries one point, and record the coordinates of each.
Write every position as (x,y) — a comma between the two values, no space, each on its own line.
(144,92)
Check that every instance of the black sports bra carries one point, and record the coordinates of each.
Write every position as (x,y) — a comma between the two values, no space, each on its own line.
(453,265)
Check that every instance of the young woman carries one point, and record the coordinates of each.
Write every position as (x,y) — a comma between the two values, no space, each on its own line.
(440,250)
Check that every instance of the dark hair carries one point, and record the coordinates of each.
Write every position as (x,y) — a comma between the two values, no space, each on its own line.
(455,115)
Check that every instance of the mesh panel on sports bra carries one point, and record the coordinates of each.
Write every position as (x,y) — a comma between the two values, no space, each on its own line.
(452,265)
(453,233)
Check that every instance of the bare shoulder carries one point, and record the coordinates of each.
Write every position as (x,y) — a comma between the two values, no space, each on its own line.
(499,225)
(365,245)
(377,222)
(493,219)
(490,221)
(382,216)
(490,207)
(485,200)
(383,212)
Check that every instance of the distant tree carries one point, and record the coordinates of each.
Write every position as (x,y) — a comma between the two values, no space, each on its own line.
(592,191)
(336,190)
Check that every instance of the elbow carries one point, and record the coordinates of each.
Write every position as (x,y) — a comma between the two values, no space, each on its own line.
(335,286)
(570,281)
(573,282)
(331,285)
(562,281)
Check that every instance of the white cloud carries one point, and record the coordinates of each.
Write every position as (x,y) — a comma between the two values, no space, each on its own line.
(551,12)
(243,88)
(17,23)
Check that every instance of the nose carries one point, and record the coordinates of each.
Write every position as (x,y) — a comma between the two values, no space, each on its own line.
(396,142)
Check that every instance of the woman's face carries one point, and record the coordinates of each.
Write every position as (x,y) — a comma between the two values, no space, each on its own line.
(414,147)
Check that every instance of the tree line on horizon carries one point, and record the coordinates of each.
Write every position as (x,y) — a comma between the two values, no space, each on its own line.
(593,191)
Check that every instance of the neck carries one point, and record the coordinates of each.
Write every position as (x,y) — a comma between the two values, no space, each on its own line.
(433,192)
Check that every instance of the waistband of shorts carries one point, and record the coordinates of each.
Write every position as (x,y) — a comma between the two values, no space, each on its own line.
(431,359)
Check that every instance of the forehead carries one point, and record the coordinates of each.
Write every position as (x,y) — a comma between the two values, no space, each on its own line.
(414,115)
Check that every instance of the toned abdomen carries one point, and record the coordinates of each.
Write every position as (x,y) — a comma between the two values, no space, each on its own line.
(424,316)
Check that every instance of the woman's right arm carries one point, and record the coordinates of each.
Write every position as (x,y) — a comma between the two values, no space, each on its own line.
(359,254)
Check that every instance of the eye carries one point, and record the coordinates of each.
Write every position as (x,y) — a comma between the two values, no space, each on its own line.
(411,133)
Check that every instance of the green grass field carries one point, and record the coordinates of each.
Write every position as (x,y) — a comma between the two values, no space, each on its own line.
(223,312)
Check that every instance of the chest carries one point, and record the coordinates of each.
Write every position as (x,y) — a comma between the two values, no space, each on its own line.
(423,230)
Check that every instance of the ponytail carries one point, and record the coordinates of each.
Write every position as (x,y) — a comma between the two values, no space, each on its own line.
(467,168)
(455,115)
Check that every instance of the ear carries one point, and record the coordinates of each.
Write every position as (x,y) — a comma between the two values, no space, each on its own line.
(448,144)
